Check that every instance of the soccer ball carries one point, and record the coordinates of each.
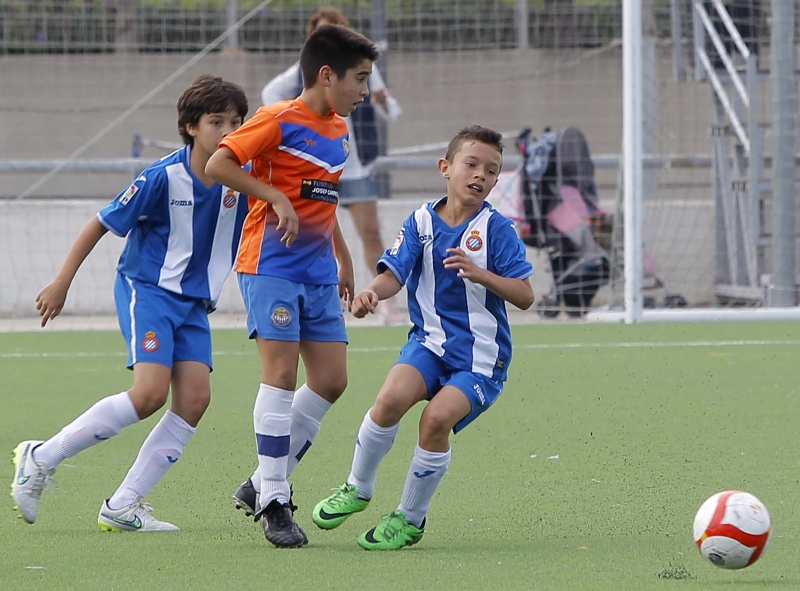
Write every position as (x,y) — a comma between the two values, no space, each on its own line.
(732,529)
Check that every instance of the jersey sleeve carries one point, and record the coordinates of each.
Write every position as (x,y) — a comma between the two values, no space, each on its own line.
(258,135)
(508,251)
(135,203)
(401,258)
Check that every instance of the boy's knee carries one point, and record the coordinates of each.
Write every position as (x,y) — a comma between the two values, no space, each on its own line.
(146,401)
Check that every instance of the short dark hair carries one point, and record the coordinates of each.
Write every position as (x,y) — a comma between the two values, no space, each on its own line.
(208,94)
(336,46)
(479,133)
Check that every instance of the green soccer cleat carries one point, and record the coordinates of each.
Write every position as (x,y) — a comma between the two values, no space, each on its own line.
(333,511)
(392,533)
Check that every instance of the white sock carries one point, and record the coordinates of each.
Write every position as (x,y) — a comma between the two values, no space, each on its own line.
(102,421)
(162,448)
(272,421)
(424,476)
(372,445)
(256,480)
(308,410)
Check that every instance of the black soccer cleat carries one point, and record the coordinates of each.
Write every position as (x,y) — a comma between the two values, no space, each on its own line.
(280,527)
(246,498)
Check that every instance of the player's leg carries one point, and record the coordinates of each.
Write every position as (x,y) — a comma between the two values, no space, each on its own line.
(163,447)
(326,379)
(365,219)
(406,525)
(404,387)
(273,319)
(462,398)
(35,461)
(190,346)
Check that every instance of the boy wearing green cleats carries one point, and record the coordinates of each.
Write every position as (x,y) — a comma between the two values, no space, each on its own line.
(461,262)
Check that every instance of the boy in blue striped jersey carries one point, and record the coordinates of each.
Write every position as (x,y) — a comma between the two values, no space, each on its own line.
(461,261)
(183,232)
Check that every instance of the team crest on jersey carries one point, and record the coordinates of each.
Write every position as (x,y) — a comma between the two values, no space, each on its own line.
(398,242)
(474,242)
(150,342)
(230,199)
(281,317)
(346,148)
(128,195)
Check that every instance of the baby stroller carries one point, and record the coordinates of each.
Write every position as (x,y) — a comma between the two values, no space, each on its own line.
(552,198)
(564,217)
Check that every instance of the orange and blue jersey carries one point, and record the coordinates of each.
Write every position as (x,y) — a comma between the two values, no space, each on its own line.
(301,153)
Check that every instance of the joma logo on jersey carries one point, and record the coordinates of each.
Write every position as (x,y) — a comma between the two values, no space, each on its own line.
(425,238)
(181,202)
(474,242)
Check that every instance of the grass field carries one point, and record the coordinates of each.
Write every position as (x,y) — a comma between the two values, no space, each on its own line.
(584,476)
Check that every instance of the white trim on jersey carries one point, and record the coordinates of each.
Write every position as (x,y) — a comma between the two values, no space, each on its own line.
(310,158)
(131,307)
(426,290)
(221,259)
(484,326)
(181,230)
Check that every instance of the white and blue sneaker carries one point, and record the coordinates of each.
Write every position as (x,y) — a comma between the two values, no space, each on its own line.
(30,480)
(135,517)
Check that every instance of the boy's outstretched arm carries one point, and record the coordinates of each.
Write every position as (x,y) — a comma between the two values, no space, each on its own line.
(515,291)
(51,299)
(347,281)
(381,287)
(224,167)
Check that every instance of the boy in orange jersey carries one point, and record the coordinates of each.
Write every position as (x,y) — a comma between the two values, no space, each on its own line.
(287,262)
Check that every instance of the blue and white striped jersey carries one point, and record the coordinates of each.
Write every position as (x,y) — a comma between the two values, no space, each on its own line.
(460,321)
(182,235)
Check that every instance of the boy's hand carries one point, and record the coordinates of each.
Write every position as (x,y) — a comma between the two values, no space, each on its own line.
(50,300)
(287,220)
(464,266)
(347,285)
(364,303)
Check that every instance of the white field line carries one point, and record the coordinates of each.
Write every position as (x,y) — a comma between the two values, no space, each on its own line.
(619,345)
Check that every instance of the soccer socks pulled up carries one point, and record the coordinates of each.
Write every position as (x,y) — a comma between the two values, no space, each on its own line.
(272,421)
(372,445)
(102,421)
(308,410)
(423,478)
(162,448)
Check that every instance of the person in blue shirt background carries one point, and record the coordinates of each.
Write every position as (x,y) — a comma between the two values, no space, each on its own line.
(183,232)
(461,261)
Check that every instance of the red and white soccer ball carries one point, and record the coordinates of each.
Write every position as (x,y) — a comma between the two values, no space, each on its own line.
(732,528)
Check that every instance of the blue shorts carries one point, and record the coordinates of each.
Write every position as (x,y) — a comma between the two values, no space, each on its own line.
(160,326)
(481,390)
(283,310)
(357,191)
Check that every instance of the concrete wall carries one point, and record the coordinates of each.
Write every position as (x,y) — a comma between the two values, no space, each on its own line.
(53,106)
(35,236)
